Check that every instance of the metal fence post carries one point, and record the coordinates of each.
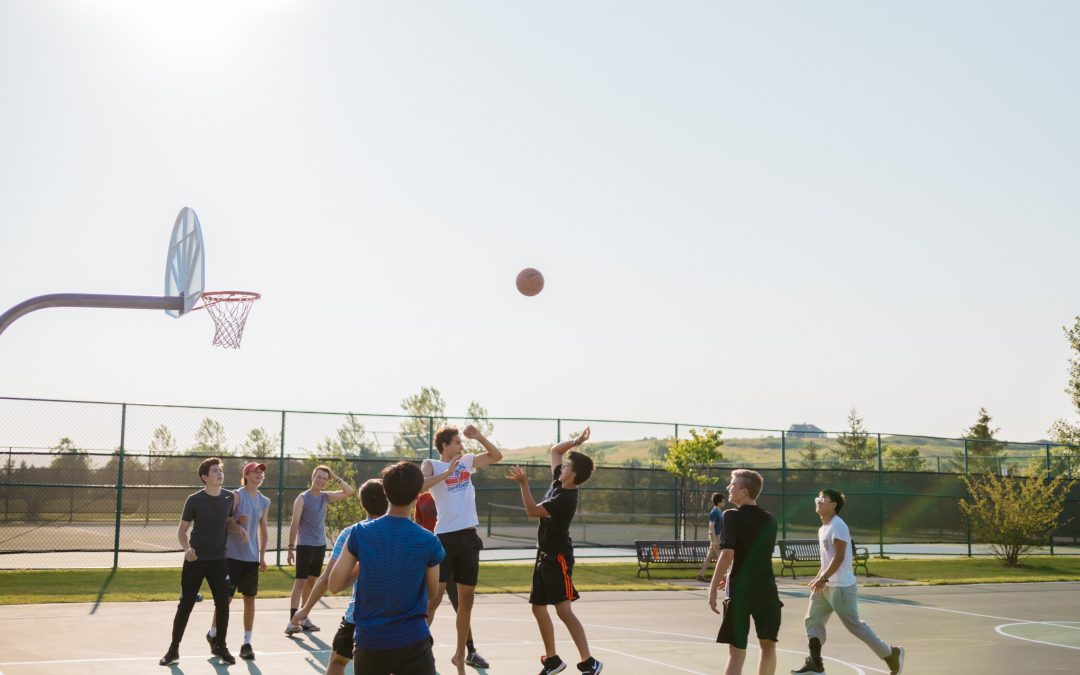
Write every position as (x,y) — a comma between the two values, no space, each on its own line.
(119,485)
(1048,479)
(280,488)
(783,484)
(558,431)
(881,499)
(678,504)
(431,437)
(966,473)
(7,490)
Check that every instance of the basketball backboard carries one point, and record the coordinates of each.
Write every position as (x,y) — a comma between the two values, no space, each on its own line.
(185,266)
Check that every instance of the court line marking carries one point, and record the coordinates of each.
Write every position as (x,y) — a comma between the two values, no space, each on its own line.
(1000,631)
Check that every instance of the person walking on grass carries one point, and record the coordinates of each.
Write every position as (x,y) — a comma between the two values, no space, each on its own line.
(744,571)
(210,511)
(246,557)
(307,536)
(553,575)
(834,590)
(716,526)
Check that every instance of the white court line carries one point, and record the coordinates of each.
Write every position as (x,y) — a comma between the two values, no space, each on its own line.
(1000,631)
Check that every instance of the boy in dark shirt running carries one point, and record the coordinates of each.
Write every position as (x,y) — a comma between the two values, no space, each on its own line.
(744,570)
(210,510)
(553,582)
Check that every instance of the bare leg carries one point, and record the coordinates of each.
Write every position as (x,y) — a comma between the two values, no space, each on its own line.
(464,616)
(337,665)
(767,663)
(736,658)
(309,584)
(297,590)
(434,602)
(577,631)
(547,628)
(249,613)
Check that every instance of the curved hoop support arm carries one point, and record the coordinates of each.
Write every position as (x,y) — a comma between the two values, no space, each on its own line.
(175,303)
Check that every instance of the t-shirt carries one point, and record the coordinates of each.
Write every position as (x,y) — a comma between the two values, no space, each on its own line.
(253,508)
(716,520)
(391,593)
(426,514)
(827,537)
(455,497)
(313,519)
(208,516)
(553,534)
(751,531)
(339,545)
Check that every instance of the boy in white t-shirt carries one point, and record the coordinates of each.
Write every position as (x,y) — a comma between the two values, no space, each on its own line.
(833,590)
(449,479)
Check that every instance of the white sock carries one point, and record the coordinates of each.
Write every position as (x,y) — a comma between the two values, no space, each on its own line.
(247,637)
(212,632)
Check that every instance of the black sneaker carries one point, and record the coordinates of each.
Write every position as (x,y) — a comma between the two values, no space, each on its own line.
(895,661)
(552,664)
(476,661)
(811,667)
(172,656)
(212,641)
(222,652)
(590,667)
(246,652)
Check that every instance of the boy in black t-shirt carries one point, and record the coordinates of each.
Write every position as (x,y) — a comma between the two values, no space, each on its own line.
(553,581)
(744,570)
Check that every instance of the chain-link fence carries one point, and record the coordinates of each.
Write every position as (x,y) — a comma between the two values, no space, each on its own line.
(87,484)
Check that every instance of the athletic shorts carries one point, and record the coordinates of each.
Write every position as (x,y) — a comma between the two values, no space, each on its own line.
(553,579)
(309,561)
(735,628)
(343,639)
(414,659)
(462,561)
(243,576)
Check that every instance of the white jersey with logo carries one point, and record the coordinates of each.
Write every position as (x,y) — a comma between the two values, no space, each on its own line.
(828,535)
(455,497)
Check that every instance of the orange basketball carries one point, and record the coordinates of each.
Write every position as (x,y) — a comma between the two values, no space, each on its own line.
(530,281)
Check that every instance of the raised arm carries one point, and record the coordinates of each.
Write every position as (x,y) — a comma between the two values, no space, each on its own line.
(560,449)
(432,478)
(294,528)
(345,492)
(491,454)
(534,510)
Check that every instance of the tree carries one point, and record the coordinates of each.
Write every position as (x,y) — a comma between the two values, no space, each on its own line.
(350,441)
(71,465)
(259,443)
(427,412)
(855,450)
(984,453)
(691,459)
(1014,515)
(209,439)
(477,415)
(162,442)
(902,458)
(810,456)
(1063,432)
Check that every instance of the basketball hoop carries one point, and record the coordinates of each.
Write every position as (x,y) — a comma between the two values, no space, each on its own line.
(229,310)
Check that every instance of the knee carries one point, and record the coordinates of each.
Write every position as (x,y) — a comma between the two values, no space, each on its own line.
(564,610)
(539,610)
(767,646)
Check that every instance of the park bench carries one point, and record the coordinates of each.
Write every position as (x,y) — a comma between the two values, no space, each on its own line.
(805,553)
(680,554)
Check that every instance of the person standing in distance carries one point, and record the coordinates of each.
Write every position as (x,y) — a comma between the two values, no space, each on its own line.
(716,526)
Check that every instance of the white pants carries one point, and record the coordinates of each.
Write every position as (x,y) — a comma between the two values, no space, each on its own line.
(845,602)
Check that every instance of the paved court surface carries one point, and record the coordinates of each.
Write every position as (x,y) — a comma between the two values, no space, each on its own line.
(993,628)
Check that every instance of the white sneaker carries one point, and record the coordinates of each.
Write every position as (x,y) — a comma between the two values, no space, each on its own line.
(307,625)
(292,629)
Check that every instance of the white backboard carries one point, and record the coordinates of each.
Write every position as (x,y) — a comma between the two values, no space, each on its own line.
(185,267)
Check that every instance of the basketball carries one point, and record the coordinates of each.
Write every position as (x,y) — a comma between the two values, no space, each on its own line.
(530,281)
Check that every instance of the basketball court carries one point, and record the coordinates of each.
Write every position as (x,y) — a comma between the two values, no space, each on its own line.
(999,628)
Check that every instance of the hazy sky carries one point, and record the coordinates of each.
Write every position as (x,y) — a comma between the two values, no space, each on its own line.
(749,214)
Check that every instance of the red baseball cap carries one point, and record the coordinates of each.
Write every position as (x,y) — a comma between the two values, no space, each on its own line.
(251,466)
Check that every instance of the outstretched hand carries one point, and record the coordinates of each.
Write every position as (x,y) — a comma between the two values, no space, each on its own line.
(583,436)
(518,475)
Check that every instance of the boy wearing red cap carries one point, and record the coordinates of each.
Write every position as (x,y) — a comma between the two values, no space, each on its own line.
(244,560)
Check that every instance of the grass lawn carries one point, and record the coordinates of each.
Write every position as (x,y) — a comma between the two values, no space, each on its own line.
(127,585)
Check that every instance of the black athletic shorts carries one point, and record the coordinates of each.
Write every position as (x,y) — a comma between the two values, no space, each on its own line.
(343,639)
(243,576)
(553,579)
(462,559)
(309,561)
(414,659)
(764,609)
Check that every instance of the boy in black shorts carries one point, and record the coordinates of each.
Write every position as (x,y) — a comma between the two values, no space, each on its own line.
(744,570)
(553,581)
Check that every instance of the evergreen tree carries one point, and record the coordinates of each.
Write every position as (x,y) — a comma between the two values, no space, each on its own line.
(855,451)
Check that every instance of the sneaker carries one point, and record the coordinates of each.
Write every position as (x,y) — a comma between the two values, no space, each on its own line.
(211,640)
(222,653)
(172,656)
(701,577)
(552,664)
(895,661)
(292,629)
(246,652)
(307,625)
(590,667)
(811,667)
(476,661)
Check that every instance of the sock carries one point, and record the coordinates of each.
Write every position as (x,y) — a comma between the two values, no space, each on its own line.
(292,612)
(815,649)
(247,637)
(212,632)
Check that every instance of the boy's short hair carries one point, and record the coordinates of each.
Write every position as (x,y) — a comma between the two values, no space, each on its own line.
(444,436)
(321,467)
(582,465)
(204,466)
(835,496)
(402,483)
(373,499)
(718,497)
(751,480)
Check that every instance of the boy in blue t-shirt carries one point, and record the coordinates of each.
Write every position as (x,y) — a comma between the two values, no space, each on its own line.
(716,528)
(399,569)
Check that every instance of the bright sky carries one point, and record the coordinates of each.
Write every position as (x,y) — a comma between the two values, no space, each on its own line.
(749,214)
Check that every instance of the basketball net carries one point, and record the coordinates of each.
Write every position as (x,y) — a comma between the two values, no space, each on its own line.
(229,310)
